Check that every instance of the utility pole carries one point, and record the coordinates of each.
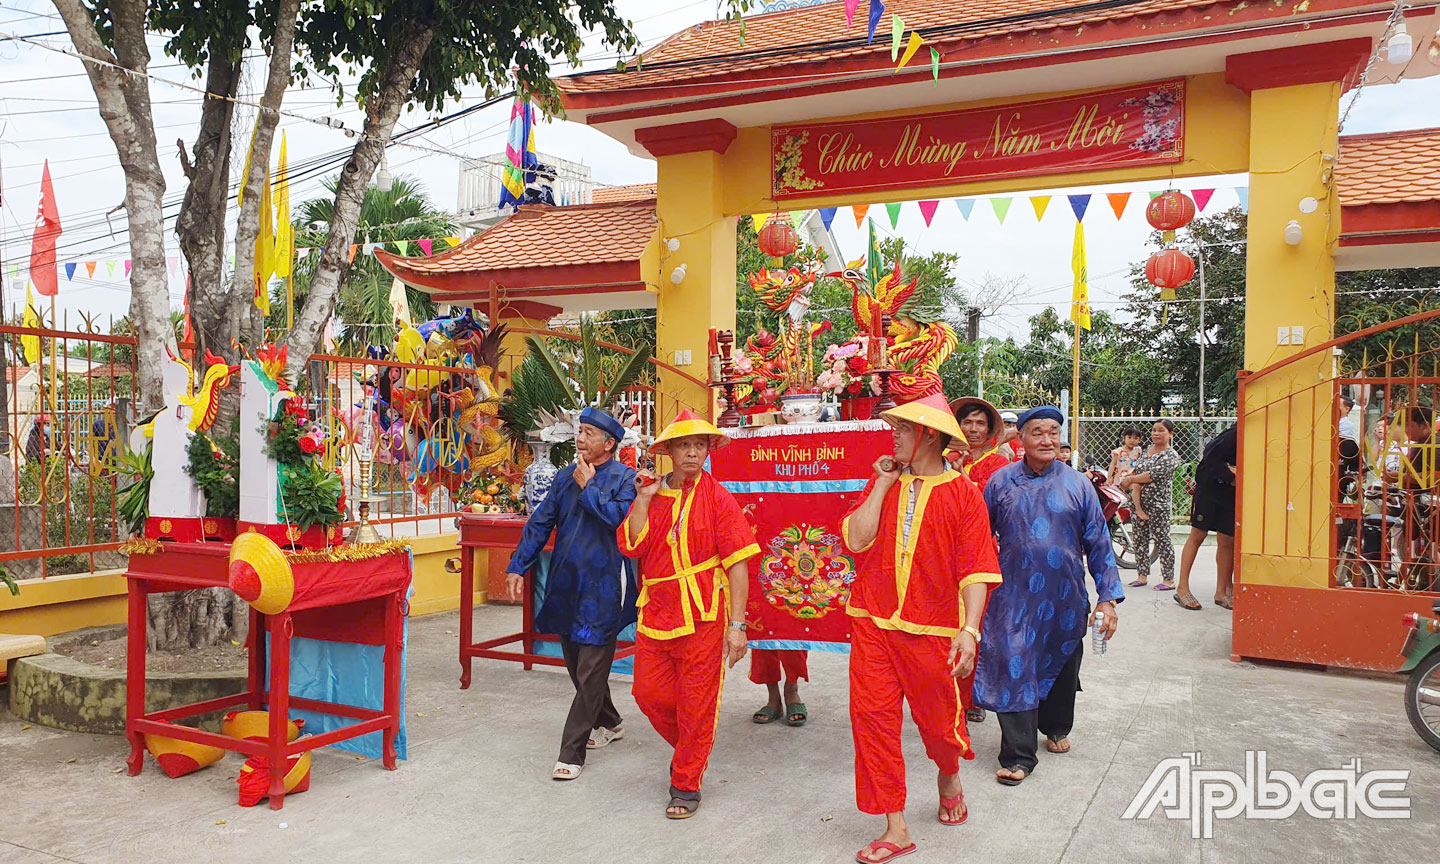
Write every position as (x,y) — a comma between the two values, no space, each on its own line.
(1200,256)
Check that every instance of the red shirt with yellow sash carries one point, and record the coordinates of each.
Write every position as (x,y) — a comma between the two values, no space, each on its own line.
(910,580)
(981,470)
(691,537)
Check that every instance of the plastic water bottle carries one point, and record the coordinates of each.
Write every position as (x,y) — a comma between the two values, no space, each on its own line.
(1098,643)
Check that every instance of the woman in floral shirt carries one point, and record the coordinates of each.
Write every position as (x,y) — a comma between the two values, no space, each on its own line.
(1155,473)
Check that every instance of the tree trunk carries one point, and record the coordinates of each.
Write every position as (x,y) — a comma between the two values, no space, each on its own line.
(247,228)
(124,102)
(195,619)
(413,39)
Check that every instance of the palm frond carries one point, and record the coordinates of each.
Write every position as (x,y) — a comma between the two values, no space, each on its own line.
(552,366)
(634,367)
(533,389)
(590,369)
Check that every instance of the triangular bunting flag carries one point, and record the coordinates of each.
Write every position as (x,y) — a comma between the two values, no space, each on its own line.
(1243,193)
(69,272)
(1040,202)
(935,64)
(426,246)
(877,11)
(798,216)
(894,211)
(1154,195)
(827,214)
(927,210)
(1078,204)
(354,247)
(760,220)
(1118,200)
(897,29)
(850,6)
(371,247)
(404,247)
(455,241)
(965,205)
(1001,206)
(859,211)
(90,269)
(910,48)
(1202,197)
(127,268)
(170,264)
(110,268)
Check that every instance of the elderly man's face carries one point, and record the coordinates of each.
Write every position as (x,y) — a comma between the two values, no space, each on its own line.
(1042,441)
(689,453)
(593,444)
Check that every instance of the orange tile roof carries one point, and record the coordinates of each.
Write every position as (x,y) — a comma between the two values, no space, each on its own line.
(614,194)
(539,237)
(1389,168)
(819,33)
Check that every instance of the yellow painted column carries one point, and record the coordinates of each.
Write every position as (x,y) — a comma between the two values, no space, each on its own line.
(689,208)
(518,315)
(1289,427)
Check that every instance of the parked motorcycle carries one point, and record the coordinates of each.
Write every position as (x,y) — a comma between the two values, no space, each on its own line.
(1115,505)
(1422,661)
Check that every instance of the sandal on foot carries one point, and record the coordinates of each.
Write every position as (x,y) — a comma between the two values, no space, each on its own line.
(1188,601)
(948,805)
(891,849)
(1227,603)
(566,771)
(687,801)
(768,714)
(603,737)
(1053,745)
(1013,781)
(975,715)
(1164,586)
(1138,583)
(795,714)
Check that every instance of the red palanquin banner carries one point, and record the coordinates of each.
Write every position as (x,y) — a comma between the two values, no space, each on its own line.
(1143,124)
(795,484)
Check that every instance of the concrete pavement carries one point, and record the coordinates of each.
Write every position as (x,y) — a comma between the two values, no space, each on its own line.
(477,787)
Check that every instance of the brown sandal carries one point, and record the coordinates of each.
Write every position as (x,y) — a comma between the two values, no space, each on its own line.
(1187,601)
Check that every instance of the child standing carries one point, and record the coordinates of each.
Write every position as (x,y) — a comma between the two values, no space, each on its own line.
(1122,464)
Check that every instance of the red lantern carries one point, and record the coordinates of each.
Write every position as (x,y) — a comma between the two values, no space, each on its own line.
(1168,270)
(1170,212)
(777,239)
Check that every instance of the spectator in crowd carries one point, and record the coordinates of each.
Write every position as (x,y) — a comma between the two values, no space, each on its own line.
(1010,438)
(1347,426)
(1155,473)
(1122,458)
(1067,452)
(38,442)
(1213,509)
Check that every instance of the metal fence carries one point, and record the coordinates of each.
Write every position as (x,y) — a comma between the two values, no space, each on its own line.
(1099,435)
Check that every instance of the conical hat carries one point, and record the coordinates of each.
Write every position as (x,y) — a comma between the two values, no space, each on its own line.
(992,415)
(684,425)
(931,411)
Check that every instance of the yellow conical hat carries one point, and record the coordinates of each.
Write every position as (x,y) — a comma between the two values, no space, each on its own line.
(931,411)
(688,423)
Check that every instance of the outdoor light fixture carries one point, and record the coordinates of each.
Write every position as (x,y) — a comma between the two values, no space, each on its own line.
(384,181)
(1293,232)
(678,274)
(672,243)
(1400,47)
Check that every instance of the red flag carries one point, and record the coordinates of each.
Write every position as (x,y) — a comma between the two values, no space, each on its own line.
(189,334)
(42,248)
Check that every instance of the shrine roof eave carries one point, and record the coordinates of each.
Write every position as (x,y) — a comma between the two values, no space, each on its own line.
(515,283)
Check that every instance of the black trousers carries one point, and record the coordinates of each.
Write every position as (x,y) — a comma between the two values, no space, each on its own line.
(1053,718)
(589,668)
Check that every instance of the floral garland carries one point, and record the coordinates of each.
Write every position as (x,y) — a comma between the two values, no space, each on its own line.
(309,494)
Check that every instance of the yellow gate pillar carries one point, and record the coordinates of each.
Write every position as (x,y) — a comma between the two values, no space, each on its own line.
(689,187)
(518,315)
(1290,306)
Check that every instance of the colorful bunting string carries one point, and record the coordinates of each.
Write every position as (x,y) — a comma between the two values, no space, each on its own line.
(850,6)
(894,211)
(1118,200)
(966,205)
(1202,197)
(1040,203)
(1001,206)
(859,211)
(910,48)
(827,214)
(897,29)
(927,210)
(877,11)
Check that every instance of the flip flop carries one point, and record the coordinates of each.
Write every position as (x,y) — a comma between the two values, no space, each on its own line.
(793,710)
(1187,601)
(883,846)
(947,805)
(1013,781)
(974,715)
(1164,586)
(1052,745)
(1138,583)
(768,714)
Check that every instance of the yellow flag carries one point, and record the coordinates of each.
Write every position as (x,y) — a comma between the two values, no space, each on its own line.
(30,343)
(284,231)
(264,251)
(760,220)
(1080,302)
(910,49)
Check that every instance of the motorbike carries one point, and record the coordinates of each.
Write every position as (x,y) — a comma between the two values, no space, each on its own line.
(1115,505)
(1422,661)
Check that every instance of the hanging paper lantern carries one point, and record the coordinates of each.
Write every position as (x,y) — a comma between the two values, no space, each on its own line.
(777,239)
(1170,212)
(1168,269)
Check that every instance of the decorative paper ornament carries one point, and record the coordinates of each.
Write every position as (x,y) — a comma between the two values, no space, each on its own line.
(777,239)
(1168,269)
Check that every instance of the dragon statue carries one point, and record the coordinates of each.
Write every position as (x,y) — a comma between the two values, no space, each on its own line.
(203,402)
(919,340)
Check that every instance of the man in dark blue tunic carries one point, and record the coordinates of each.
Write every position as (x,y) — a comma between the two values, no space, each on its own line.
(589,587)
(1050,527)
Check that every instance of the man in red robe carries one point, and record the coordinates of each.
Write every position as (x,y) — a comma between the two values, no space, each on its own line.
(924,558)
(980,450)
(768,666)
(694,545)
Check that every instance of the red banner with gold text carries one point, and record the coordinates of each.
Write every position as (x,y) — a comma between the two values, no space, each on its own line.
(1139,125)
(795,484)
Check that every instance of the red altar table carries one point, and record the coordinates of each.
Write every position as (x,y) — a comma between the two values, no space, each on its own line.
(500,533)
(359,601)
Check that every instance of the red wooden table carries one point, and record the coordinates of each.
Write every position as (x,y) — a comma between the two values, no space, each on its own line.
(500,533)
(374,614)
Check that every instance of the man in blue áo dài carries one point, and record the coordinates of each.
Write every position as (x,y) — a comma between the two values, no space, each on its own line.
(1050,526)
(590,586)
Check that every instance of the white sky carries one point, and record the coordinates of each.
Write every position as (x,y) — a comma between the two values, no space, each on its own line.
(47,110)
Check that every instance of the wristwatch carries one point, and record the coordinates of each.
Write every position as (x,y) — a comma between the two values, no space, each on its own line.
(972,631)
(738,625)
